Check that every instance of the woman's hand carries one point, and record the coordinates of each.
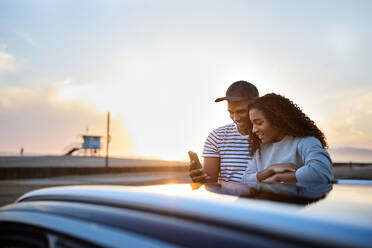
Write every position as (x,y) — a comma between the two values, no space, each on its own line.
(281,168)
(278,173)
(286,177)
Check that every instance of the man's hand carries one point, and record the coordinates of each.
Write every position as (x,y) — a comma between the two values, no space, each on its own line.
(285,172)
(209,172)
(199,176)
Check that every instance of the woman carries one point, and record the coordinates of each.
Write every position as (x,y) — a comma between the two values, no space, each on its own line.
(286,145)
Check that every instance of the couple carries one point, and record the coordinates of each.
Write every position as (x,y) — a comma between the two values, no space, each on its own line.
(271,140)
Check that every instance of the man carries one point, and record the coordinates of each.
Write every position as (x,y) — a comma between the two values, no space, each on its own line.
(226,148)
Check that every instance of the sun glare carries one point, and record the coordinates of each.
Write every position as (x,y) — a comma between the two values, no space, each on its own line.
(104,98)
(171,157)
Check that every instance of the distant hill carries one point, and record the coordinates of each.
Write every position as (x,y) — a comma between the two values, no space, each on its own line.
(347,154)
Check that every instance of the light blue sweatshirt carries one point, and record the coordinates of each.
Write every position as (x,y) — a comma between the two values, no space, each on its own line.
(313,162)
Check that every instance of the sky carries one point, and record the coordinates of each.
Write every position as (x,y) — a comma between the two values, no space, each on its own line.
(157,67)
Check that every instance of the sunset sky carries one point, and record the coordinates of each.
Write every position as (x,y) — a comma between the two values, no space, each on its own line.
(157,66)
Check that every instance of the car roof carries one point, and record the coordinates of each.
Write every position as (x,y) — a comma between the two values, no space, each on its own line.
(209,190)
(352,202)
(345,207)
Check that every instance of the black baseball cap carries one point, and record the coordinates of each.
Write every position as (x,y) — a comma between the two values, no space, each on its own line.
(239,91)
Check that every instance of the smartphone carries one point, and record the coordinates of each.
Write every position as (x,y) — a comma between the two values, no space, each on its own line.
(193,156)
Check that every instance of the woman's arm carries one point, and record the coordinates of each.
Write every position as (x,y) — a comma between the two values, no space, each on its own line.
(250,174)
(317,166)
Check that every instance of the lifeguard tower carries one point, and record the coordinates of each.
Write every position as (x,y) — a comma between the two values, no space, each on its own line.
(91,145)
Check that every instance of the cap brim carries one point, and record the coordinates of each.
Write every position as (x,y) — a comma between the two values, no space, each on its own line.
(232,98)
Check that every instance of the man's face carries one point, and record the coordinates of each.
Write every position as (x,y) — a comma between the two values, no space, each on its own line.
(239,113)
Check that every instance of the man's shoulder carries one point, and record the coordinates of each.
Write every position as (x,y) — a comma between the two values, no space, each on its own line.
(226,128)
(228,131)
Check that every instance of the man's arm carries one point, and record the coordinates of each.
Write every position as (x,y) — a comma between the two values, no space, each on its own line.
(209,172)
(211,161)
(211,166)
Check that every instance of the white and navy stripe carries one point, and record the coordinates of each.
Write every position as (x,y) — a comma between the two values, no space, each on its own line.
(231,147)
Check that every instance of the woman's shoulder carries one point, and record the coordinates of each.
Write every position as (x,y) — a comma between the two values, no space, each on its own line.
(309,141)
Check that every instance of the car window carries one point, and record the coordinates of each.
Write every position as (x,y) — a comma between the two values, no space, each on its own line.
(14,235)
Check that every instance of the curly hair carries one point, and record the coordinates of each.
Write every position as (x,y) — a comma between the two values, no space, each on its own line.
(285,115)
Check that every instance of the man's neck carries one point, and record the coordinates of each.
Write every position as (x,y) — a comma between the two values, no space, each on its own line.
(242,131)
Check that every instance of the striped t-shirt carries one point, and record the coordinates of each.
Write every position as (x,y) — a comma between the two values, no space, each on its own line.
(231,147)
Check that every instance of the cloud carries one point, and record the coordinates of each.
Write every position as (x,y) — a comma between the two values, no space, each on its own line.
(7,60)
(27,37)
(349,123)
(39,121)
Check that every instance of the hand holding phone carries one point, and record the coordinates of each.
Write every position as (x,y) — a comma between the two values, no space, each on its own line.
(194,161)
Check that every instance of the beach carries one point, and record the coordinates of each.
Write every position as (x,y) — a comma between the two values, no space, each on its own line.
(79,161)
(51,166)
(34,172)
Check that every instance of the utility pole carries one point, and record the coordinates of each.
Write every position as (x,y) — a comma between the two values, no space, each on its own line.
(108,139)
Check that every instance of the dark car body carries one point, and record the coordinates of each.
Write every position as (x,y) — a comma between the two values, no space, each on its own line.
(191,215)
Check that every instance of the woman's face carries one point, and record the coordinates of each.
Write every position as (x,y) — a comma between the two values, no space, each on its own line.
(265,131)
